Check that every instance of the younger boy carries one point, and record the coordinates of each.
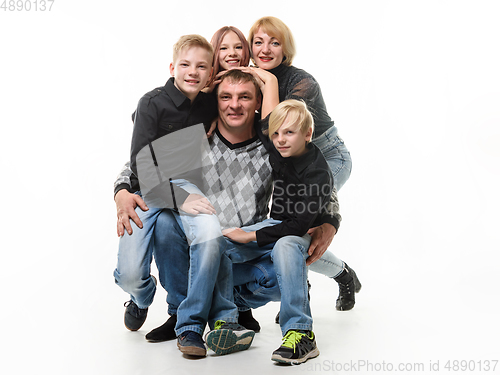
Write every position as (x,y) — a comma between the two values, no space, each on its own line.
(169,176)
(303,184)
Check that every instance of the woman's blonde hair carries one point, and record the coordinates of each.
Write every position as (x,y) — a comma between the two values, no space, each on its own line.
(275,27)
(297,113)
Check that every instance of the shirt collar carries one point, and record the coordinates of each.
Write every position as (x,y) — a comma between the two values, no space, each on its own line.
(174,93)
(305,160)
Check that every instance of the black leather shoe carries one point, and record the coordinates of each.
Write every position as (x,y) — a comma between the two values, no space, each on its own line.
(134,316)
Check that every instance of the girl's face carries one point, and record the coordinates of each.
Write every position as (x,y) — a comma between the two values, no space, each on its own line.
(230,51)
(267,50)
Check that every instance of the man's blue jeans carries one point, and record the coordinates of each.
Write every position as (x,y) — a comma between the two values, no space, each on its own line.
(135,253)
(209,292)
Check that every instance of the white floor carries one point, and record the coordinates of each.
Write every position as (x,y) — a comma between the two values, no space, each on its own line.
(427,298)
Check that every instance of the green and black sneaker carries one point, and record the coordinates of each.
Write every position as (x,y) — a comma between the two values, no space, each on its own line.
(228,338)
(297,347)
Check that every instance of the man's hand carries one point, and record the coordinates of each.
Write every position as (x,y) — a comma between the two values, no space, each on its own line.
(197,204)
(239,235)
(125,210)
(322,237)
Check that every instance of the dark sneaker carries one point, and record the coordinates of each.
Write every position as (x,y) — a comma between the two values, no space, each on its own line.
(348,285)
(228,338)
(134,316)
(246,319)
(191,343)
(297,347)
(165,332)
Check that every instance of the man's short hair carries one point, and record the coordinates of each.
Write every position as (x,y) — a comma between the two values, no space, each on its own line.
(238,76)
(297,113)
(192,40)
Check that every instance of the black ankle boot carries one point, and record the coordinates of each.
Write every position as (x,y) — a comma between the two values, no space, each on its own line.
(348,286)
(246,319)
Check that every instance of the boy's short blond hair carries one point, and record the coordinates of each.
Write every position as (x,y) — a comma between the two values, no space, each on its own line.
(192,40)
(297,113)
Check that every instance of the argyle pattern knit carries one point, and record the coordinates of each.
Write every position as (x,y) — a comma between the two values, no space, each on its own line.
(237,181)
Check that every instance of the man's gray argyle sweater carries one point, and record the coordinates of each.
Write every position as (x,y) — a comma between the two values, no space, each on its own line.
(237,181)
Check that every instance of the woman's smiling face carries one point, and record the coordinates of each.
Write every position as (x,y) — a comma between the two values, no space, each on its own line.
(267,50)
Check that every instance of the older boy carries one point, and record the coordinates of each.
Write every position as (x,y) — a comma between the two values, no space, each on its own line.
(176,111)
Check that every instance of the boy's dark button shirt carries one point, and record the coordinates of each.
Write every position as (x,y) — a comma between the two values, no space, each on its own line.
(165,110)
(302,189)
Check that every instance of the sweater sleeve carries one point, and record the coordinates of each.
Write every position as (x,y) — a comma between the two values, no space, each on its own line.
(125,179)
(304,88)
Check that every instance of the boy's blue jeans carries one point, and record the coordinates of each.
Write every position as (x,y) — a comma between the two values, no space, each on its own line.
(289,255)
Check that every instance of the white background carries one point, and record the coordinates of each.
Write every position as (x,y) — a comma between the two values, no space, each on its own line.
(414,88)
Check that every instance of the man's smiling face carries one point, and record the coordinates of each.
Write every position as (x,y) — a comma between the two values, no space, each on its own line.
(237,102)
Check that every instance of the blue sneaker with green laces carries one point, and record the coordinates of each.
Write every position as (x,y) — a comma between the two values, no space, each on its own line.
(297,347)
(228,338)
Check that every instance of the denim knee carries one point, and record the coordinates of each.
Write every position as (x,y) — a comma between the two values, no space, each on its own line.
(132,280)
(290,243)
(201,228)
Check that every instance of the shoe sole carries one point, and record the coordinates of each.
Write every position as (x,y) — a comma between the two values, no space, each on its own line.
(295,361)
(192,350)
(226,341)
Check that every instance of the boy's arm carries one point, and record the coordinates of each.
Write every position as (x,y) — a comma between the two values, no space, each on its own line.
(239,235)
(144,161)
(146,124)
(302,217)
